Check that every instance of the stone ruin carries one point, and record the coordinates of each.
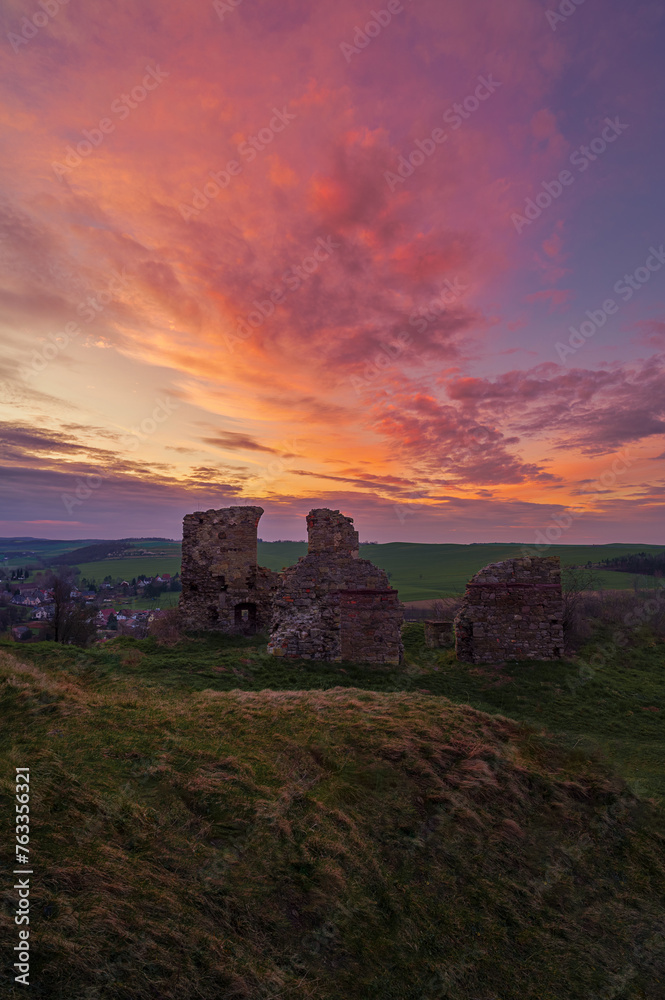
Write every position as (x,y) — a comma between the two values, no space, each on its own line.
(331,605)
(334,606)
(512,610)
(223,588)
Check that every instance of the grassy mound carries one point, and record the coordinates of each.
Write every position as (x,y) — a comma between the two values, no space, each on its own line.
(319,844)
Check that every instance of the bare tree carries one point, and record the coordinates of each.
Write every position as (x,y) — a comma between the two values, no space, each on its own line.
(576,581)
(73,623)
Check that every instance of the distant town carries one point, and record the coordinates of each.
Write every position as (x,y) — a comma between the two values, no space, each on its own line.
(28,604)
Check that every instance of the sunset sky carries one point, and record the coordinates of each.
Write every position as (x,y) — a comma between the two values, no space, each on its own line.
(252,252)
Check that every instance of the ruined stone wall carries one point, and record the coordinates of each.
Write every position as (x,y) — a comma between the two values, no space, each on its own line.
(223,588)
(439,634)
(512,610)
(331,533)
(371,626)
(314,619)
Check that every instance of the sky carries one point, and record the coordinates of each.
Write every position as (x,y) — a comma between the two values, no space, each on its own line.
(403,260)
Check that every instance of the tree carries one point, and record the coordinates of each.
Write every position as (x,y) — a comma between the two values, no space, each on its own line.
(575,582)
(10,615)
(73,623)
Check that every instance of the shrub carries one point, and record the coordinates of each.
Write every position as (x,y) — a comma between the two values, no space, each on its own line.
(167,629)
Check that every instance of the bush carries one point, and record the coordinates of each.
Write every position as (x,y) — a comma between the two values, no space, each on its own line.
(621,610)
(167,629)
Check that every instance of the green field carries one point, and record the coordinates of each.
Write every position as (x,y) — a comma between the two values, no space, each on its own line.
(422,572)
(127,569)
(48,551)
(419,572)
(213,823)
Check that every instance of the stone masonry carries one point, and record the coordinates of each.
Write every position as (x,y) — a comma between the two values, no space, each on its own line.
(439,634)
(512,610)
(332,605)
(223,588)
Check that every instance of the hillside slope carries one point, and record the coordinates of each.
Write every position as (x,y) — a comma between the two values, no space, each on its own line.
(321,844)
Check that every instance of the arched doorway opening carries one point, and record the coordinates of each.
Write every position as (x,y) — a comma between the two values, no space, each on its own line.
(245,617)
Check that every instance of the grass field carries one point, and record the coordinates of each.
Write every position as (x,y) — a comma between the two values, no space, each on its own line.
(419,572)
(213,823)
(126,569)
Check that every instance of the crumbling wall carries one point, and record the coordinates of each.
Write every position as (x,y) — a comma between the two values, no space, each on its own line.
(438,634)
(371,626)
(332,605)
(331,534)
(223,588)
(512,610)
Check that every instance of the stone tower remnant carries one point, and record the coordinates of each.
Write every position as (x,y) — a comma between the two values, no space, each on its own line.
(512,610)
(334,606)
(223,588)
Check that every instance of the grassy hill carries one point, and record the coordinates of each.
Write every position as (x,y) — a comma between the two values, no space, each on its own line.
(211,823)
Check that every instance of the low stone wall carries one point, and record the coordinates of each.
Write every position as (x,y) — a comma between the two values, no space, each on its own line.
(512,610)
(371,626)
(439,634)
